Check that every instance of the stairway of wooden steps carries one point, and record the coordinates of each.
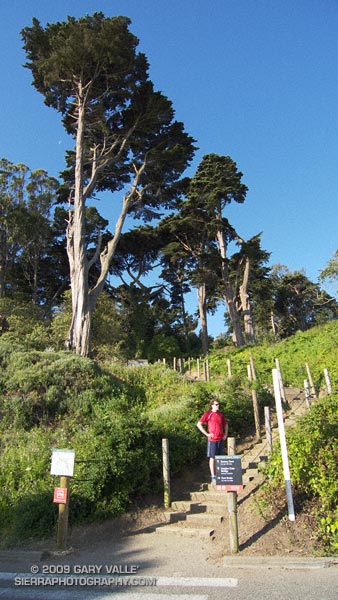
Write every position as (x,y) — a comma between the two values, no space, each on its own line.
(204,511)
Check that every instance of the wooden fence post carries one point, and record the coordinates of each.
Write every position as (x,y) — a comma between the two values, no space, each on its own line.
(252,377)
(328,381)
(229,368)
(62,528)
(208,369)
(253,368)
(312,386)
(307,393)
(268,430)
(232,506)
(166,472)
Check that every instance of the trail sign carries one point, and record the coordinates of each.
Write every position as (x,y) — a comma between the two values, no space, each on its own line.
(62,462)
(228,473)
(60,495)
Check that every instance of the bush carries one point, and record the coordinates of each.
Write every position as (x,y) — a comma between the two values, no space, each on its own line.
(39,386)
(313,457)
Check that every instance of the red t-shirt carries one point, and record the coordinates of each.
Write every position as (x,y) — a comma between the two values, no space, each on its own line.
(216,422)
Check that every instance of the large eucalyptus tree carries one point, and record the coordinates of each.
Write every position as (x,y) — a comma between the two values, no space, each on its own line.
(126,138)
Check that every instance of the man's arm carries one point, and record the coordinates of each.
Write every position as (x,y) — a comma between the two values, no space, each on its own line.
(202,429)
(200,426)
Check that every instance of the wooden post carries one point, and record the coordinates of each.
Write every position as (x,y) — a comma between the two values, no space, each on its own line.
(248,368)
(281,429)
(268,430)
(166,472)
(312,385)
(205,370)
(256,415)
(174,366)
(253,369)
(198,369)
(232,506)
(252,377)
(208,369)
(281,384)
(229,368)
(328,381)
(62,529)
(307,393)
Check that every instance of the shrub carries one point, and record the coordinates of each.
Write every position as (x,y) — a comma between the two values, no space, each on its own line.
(313,457)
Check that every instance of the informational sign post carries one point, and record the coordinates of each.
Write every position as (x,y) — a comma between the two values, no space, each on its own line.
(228,473)
(229,479)
(62,464)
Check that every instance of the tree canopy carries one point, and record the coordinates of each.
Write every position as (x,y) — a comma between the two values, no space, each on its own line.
(126,138)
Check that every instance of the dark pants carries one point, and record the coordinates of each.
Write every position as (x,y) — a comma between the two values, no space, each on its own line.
(215,448)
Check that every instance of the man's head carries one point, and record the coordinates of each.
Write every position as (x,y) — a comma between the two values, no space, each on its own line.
(214,404)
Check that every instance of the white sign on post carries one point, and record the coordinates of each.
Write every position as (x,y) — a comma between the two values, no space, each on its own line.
(62,462)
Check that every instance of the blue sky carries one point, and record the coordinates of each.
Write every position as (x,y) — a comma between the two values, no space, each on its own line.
(253,79)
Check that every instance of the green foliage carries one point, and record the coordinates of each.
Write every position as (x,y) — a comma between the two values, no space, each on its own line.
(39,386)
(237,404)
(313,457)
(317,347)
(115,417)
(330,272)
(162,345)
(25,505)
(27,324)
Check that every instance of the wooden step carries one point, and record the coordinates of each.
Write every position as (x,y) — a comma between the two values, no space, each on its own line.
(187,506)
(205,497)
(182,529)
(206,519)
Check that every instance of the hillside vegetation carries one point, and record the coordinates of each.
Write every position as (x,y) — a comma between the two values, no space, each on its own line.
(115,417)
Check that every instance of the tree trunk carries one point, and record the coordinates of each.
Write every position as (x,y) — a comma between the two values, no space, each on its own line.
(79,332)
(229,294)
(2,277)
(202,308)
(83,299)
(273,323)
(246,305)
(184,317)
(3,261)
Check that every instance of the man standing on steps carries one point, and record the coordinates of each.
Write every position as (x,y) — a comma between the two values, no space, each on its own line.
(217,432)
